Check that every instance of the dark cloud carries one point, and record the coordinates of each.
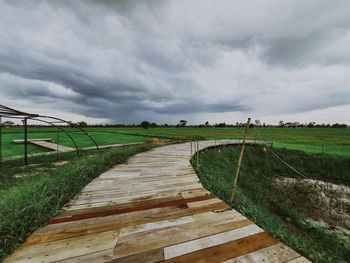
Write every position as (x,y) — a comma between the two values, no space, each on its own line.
(127,60)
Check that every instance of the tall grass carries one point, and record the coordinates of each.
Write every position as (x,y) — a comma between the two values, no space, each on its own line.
(282,211)
(30,202)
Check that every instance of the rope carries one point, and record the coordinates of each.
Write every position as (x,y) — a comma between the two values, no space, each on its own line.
(279,158)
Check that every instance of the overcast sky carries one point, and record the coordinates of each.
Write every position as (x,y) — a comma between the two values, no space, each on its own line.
(162,61)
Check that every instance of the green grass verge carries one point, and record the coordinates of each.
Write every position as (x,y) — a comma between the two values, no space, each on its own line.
(102,137)
(291,213)
(28,202)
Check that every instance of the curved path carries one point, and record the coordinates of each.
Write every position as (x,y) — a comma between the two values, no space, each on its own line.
(151,209)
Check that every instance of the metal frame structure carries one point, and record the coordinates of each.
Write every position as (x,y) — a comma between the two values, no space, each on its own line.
(7,112)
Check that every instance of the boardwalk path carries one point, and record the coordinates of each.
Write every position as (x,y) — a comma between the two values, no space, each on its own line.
(151,209)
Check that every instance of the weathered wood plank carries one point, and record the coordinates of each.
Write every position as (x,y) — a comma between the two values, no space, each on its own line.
(274,254)
(129,209)
(299,260)
(210,241)
(144,241)
(227,250)
(67,248)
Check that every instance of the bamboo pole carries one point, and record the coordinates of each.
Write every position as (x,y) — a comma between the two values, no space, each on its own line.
(197,156)
(25,142)
(191,142)
(239,160)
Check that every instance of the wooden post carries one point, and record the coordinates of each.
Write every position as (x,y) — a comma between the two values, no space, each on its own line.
(191,142)
(25,142)
(239,161)
(197,156)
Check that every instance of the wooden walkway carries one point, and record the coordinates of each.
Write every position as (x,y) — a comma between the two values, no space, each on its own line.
(152,209)
(53,146)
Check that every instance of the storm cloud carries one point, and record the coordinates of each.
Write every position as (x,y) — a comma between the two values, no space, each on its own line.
(126,61)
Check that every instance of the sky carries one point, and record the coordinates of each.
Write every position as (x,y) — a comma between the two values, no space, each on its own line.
(166,60)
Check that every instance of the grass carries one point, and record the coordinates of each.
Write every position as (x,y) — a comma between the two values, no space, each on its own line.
(27,203)
(335,141)
(294,213)
(102,137)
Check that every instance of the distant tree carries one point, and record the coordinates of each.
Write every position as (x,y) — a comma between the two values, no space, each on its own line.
(257,123)
(221,125)
(206,123)
(281,124)
(8,123)
(145,124)
(72,124)
(182,123)
(154,125)
(311,124)
(82,124)
(338,125)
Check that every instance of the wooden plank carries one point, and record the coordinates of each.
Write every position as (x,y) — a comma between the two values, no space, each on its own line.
(151,256)
(89,226)
(141,242)
(156,225)
(118,206)
(32,140)
(128,209)
(227,250)
(100,257)
(67,248)
(127,199)
(210,241)
(274,254)
(204,202)
(299,260)
(52,146)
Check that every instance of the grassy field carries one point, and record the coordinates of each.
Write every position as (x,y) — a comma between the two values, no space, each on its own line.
(311,218)
(31,195)
(312,140)
(101,136)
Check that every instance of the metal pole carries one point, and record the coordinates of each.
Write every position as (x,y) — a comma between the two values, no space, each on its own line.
(240,160)
(25,142)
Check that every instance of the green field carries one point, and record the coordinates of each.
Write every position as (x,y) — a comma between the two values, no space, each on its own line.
(335,141)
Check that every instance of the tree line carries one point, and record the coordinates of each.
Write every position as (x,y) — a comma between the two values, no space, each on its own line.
(183,123)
